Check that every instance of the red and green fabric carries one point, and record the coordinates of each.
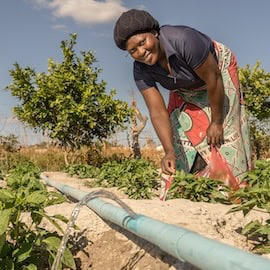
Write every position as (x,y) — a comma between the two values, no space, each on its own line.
(190,116)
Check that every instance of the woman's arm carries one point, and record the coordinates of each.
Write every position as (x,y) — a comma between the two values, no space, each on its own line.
(209,72)
(162,125)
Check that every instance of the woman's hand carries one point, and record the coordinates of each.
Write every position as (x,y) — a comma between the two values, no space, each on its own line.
(161,122)
(168,163)
(209,72)
(214,134)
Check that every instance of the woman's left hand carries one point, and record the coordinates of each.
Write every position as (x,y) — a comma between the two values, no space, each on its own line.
(210,73)
(214,134)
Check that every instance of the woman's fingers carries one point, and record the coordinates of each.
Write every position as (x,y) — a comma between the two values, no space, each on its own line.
(168,165)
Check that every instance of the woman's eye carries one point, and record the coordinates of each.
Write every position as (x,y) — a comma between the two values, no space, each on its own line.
(142,42)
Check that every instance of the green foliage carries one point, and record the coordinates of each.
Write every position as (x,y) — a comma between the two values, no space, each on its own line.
(11,160)
(256,87)
(197,189)
(260,234)
(82,171)
(256,195)
(68,101)
(257,191)
(136,177)
(27,245)
(23,175)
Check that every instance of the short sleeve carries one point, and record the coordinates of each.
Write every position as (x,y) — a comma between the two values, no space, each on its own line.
(142,78)
(194,47)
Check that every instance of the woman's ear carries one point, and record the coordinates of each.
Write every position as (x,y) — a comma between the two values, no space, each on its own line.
(154,32)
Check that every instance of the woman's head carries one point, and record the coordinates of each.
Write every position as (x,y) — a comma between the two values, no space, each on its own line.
(137,32)
(133,22)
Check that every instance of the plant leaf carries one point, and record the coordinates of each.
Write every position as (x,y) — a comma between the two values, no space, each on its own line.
(54,244)
(23,253)
(4,220)
(50,219)
(7,264)
(30,267)
(36,197)
(6,195)
(2,241)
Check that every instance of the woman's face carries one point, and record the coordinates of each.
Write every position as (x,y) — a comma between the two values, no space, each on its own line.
(144,47)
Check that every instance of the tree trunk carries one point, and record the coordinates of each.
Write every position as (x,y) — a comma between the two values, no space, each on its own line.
(137,129)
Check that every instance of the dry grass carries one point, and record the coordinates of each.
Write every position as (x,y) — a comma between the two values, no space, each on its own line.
(52,158)
(47,159)
(150,153)
(153,154)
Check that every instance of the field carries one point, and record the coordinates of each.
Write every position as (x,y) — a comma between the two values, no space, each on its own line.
(99,244)
(106,246)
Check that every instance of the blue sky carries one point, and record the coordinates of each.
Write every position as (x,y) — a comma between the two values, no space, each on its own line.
(33,29)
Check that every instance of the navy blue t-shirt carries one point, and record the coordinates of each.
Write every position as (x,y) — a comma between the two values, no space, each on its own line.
(185,48)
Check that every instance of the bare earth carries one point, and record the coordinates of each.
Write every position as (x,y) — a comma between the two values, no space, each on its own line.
(101,245)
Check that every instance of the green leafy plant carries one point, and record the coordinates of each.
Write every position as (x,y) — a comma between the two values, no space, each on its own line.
(257,191)
(187,186)
(82,171)
(136,177)
(259,233)
(28,245)
(139,178)
(256,196)
(256,87)
(255,84)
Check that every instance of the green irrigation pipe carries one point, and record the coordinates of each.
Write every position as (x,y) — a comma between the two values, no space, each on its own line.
(186,245)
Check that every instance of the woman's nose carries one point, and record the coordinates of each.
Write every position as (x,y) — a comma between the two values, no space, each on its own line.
(141,51)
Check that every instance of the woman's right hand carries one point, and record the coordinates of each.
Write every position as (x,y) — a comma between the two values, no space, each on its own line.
(168,163)
(161,122)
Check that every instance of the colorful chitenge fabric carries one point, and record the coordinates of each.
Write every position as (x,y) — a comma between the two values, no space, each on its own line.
(190,116)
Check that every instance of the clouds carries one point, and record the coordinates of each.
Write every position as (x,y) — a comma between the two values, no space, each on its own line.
(87,12)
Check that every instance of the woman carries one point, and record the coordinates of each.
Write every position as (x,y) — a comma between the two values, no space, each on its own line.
(205,105)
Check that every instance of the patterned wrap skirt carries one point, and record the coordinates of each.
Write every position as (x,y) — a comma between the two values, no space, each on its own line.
(190,116)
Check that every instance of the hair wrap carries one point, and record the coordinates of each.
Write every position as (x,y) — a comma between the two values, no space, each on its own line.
(132,22)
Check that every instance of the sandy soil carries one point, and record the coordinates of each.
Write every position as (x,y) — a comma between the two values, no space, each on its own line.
(101,245)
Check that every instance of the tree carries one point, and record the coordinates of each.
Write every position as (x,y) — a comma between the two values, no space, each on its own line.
(68,102)
(256,88)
